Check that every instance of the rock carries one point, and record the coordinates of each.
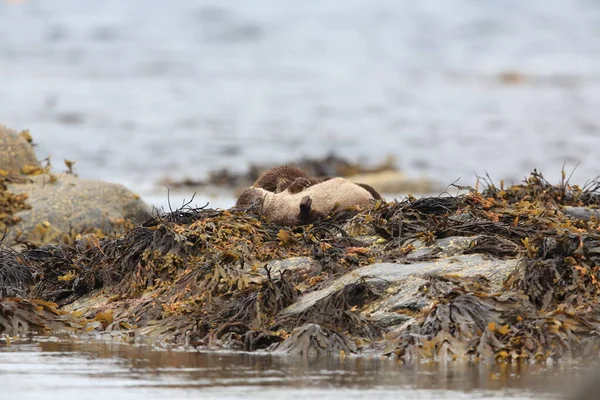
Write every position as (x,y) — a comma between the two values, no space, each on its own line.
(394,182)
(16,153)
(64,203)
(389,319)
(298,265)
(445,247)
(403,280)
(584,213)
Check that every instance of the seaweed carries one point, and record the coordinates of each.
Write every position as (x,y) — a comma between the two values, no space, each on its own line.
(24,316)
(65,273)
(339,311)
(10,203)
(312,340)
(537,188)
(566,272)
(15,277)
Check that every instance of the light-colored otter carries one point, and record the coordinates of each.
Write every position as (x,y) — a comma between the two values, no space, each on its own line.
(307,206)
(291,178)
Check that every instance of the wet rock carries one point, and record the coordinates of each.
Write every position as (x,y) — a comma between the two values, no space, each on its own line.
(16,151)
(404,279)
(312,340)
(64,203)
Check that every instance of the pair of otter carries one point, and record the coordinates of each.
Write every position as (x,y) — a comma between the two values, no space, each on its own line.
(288,196)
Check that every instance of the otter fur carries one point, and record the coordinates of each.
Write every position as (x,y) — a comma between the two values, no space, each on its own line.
(286,177)
(293,179)
(313,203)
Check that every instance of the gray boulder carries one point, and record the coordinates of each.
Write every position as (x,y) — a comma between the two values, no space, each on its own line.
(65,204)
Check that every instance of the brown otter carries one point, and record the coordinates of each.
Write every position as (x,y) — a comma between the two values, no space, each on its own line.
(292,178)
(285,177)
(314,202)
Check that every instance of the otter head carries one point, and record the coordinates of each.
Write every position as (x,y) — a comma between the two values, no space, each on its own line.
(251,199)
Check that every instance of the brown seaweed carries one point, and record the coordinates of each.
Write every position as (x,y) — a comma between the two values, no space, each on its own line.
(15,277)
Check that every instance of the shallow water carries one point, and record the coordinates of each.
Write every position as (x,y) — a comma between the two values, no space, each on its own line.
(139,90)
(50,369)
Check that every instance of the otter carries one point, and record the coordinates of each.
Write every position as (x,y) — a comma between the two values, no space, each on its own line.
(312,203)
(286,177)
(293,179)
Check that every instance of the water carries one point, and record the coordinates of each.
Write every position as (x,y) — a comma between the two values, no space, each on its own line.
(145,89)
(50,369)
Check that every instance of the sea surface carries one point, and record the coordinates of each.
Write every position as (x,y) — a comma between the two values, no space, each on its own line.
(140,90)
(48,368)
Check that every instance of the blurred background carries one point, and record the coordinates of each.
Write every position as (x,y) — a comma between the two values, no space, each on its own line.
(140,91)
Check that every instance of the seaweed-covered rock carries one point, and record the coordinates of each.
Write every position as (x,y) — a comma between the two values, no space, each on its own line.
(312,340)
(23,316)
(64,204)
(505,274)
(402,281)
(16,153)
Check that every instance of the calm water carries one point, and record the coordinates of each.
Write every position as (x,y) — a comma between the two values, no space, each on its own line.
(48,369)
(142,89)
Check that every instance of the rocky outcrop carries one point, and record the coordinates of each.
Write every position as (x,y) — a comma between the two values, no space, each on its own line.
(40,207)
(404,281)
(506,274)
